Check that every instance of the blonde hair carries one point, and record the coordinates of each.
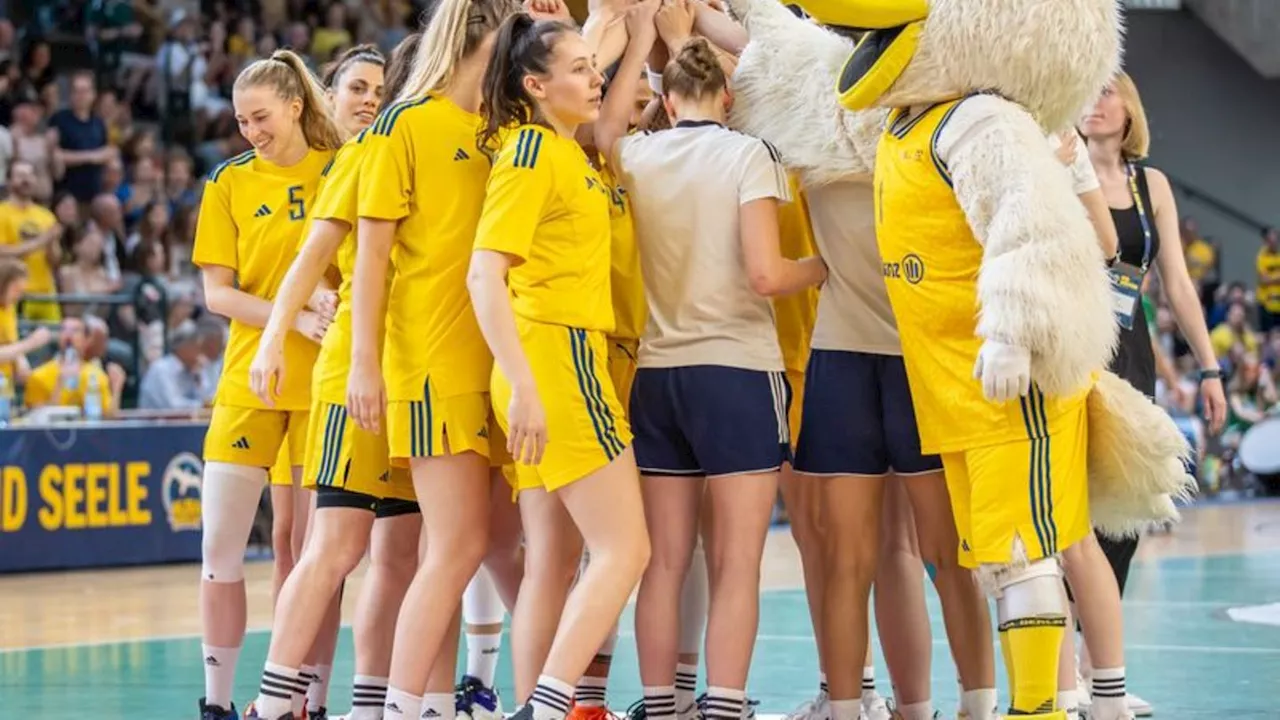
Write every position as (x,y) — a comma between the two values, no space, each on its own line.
(1136,143)
(289,77)
(455,32)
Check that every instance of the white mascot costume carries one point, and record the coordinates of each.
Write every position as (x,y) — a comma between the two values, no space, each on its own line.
(996,279)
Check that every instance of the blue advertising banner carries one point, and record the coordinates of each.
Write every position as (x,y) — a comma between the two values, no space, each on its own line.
(99,495)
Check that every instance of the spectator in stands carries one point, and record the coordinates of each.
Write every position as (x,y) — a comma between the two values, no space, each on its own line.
(213,341)
(113,32)
(87,273)
(1268,266)
(37,71)
(107,353)
(7,40)
(108,216)
(1232,294)
(64,379)
(31,233)
(80,137)
(1203,261)
(1234,338)
(118,118)
(333,36)
(14,350)
(33,146)
(6,157)
(184,93)
(145,187)
(178,182)
(67,211)
(176,381)
(1251,396)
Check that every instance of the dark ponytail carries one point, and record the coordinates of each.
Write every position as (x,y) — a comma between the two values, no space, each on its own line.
(331,74)
(523,46)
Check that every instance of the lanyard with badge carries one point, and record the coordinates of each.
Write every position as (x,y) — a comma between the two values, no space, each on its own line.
(1126,279)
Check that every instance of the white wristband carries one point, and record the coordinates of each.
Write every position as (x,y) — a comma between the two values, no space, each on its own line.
(655,80)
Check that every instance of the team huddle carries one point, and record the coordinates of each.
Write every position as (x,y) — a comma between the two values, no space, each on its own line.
(533,338)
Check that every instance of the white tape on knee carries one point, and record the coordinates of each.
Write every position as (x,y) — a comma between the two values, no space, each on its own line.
(693,603)
(481,602)
(1031,591)
(229,502)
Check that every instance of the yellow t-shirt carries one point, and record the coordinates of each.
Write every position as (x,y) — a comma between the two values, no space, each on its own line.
(423,170)
(336,200)
(1223,338)
(8,336)
(20,224)
(1268,264)
(1201,257)
(44,379)
(626,283)
(795,314)
(925,237)
(548,208)
(251,219)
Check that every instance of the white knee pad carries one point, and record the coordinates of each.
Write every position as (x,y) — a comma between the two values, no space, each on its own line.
(481,602)
(228,503)
(1032,591)
(693,603)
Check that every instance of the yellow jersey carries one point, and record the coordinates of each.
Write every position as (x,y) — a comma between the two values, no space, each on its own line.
(251,220)
(44,380)
(8,336)
(1201,257)
(20,224)
(422,169)
(626,284)
(795,314)
(931,260)
(548,208)
(336,200)
(1268,264)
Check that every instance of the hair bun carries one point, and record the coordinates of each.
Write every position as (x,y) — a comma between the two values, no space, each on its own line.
(697,59)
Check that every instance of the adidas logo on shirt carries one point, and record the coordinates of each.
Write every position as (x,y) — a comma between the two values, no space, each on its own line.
(263,211)
(461,155)
(241,444)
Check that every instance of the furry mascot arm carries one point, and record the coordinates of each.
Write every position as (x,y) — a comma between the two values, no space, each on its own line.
(1042,286)
(783,94)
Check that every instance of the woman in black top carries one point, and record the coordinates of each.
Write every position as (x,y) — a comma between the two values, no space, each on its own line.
(1143,211)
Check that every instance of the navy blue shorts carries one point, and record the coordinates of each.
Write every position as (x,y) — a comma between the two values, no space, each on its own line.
(858,419)
(710,420)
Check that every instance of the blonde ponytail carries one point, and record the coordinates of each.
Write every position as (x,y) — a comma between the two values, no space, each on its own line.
(289,76)
(456,30)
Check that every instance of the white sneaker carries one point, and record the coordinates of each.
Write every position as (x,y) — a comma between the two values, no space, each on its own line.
(818,708)
(1139,707)
(875,707)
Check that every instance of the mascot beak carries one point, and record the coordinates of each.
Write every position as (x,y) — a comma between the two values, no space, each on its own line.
(892,34)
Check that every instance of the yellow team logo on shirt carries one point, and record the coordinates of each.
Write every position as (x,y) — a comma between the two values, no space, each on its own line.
(910,268)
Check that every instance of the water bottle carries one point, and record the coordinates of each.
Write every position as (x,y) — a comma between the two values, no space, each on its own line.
(6,400)
(69,357)
(93,398)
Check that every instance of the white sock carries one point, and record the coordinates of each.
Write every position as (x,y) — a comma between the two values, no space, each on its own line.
(1108,690)
(591,691)
(822,684)
(868,684)
(318,690)
(401,705)
(482,657)
(695,597)
(846,709)
(551,698)
(368,695)
(660,702)
(686,686)
(219,674)
(279,686)
(724,703)
(1068,703)
(981,704)
(438,706)
(917,711)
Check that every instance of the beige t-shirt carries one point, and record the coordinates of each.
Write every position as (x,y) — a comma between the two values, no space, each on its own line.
(687,185)
(854,314)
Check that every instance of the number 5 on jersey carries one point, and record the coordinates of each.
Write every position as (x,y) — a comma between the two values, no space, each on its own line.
(297,203)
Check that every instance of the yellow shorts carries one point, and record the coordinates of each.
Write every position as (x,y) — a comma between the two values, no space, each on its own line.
(418,428)
(795,378)
(254,437)
(1035,490)
(586,427)
(340,454)
(622,369)
(282,472)
(498,455)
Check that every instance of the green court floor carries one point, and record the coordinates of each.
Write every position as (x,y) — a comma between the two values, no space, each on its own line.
(1186,654)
